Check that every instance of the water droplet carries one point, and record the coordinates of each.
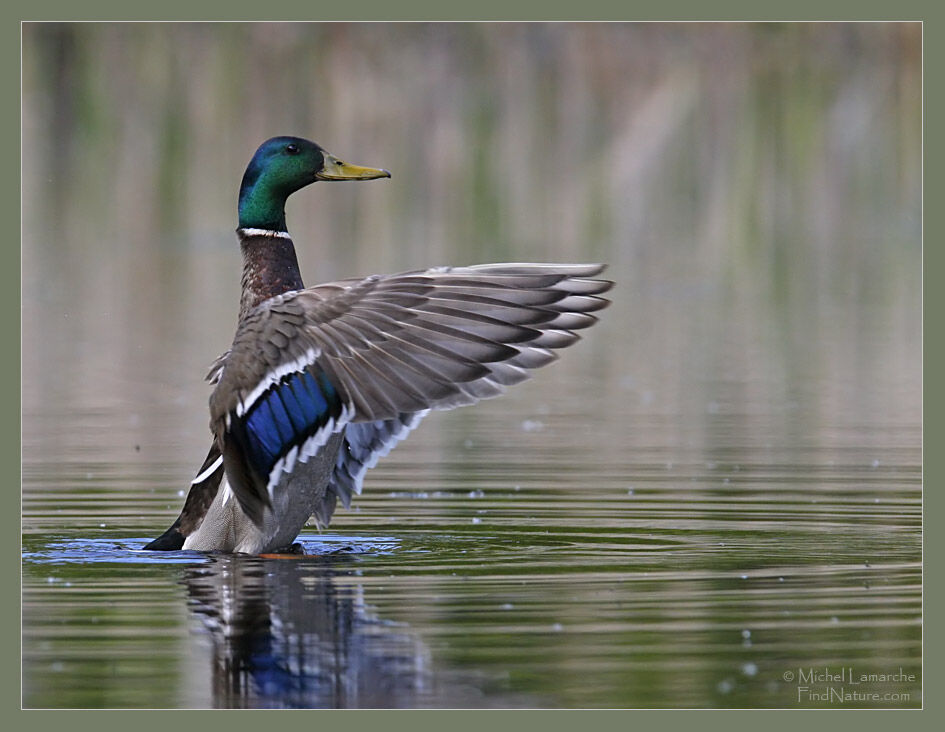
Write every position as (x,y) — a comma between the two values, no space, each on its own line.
(477,520)
(749,669)
(557,627)
(533,425)
(724,686)
(876,463)
(746,633)
(834,620)
(508,606)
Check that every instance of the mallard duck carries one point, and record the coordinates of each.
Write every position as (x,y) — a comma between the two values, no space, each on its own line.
(322,381)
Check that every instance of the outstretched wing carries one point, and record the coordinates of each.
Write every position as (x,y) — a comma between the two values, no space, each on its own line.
(308,362)
(364,444)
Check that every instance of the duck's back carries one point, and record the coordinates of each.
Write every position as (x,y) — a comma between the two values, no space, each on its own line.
(321,382)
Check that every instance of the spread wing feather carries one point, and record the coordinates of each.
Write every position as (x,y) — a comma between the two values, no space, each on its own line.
(379,351)
(364,444)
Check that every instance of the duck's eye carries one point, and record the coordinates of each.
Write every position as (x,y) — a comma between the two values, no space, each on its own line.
(292,148)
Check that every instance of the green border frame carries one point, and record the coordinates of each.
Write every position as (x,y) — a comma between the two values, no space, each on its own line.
(613,10)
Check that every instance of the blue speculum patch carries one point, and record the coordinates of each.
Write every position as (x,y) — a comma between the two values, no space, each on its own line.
(286,415)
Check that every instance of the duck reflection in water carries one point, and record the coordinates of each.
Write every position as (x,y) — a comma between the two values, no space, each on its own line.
(298,633)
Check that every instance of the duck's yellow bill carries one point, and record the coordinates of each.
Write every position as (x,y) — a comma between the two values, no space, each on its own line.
(334,169)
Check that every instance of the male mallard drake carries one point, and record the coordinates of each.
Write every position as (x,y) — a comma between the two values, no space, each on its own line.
(321,381)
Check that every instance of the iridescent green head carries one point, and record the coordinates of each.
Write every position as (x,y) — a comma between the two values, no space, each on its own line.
(280,167)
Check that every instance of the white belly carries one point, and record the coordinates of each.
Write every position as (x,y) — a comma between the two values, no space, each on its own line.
(295,498)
